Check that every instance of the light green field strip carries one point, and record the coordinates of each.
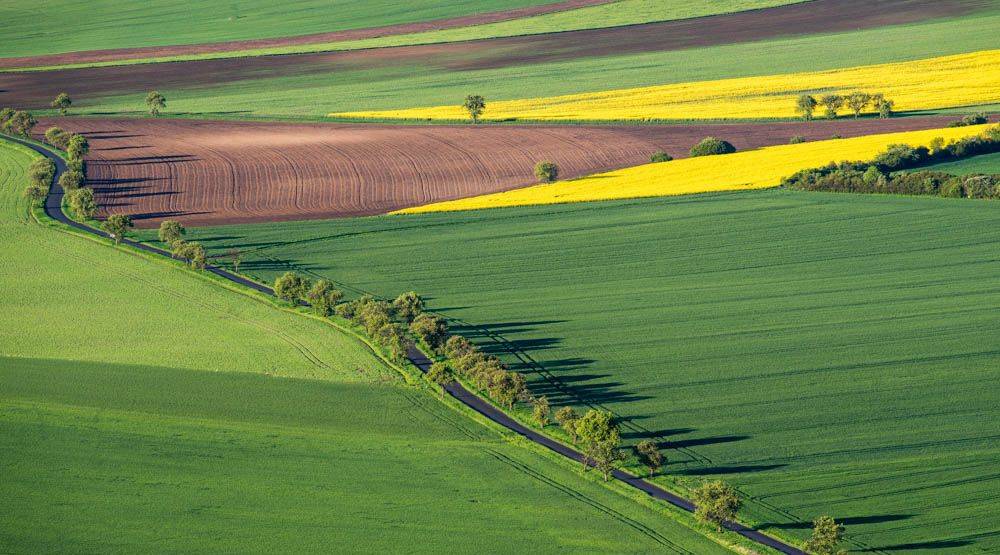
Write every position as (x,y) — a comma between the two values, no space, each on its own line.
(143,408)
(58,26)
(614,14)
(986,163)
(413,85)
(829,354)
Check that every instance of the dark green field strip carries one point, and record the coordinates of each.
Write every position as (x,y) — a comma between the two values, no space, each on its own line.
(121,457)
(791,343)
(986,163)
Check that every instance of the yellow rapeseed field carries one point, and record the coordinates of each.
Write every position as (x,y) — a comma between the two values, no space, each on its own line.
(945,82)
(753,169)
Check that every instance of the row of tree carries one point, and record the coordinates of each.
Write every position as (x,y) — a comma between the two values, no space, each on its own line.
(856,101)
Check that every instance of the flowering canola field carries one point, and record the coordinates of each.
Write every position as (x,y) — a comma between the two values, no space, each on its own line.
(753,169)
(945,82)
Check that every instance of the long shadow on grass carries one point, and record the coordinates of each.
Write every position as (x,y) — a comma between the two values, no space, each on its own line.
(846,521)
(916,546)
(734,469)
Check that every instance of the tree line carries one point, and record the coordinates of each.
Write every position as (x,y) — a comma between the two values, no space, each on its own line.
(883,173)
(857,101)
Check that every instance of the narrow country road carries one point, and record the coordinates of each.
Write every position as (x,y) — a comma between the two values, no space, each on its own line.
(53,207)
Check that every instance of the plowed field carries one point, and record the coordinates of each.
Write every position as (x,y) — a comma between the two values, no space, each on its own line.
(210,172)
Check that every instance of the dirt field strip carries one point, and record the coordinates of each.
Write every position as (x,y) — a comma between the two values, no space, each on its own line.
(353,34)
(207,173)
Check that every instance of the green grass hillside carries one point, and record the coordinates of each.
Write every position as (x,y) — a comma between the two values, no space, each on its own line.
(144,408)
(828,354)
(106,24)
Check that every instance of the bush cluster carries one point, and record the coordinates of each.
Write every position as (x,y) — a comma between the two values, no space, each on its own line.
(877,175)
(978,118)
(710,146)
(17,122)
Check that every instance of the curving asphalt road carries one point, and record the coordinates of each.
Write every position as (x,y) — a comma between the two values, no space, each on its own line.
(53,207)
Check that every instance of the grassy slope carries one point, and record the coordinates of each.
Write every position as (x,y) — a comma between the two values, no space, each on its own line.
(142,406)
(987,163)
(106,24)
(826,353)
(318,93)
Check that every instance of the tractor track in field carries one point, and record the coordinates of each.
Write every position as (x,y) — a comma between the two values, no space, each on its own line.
(53,208)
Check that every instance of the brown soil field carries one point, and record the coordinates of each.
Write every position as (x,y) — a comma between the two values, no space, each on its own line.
(92,56)
(209,172)
(34,90)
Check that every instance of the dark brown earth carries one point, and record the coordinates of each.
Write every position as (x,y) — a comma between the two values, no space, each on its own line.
(35,90)
(207,173)
(92,56)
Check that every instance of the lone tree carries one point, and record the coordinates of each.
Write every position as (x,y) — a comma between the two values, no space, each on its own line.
(857,101)
(56,137)
(155,102)
(825,536)
(116,226)
(62,103)
(541,411)
(716,502)
(475,105)
(20,123)
(82,202)
(546,172)
(291,287)
(408,305)
(601,439)
(649,455)
(70,180)
(235,256)
(77,147)
(171,231)
(566,417)
(323,296)
(831,103)
(805,105)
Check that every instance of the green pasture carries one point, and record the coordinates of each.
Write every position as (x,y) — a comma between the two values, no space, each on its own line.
(985,163)
(143,408)
(827,354)
(68,26)
(316,91)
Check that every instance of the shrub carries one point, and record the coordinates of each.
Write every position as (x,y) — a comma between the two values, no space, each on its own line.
(796,139)
(660,156)
(981,186)
(978,118)
(710,146)
(952,189)
(898,156)
(546,172)
(41,171)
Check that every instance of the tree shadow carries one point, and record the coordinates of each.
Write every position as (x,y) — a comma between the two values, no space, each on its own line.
(696,442)
(846,521)
(916,546)
(653,434)
(734,469)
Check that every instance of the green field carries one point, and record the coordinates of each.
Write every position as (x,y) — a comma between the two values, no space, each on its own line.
(105,24)
(612,14)
(985,163)
(828,354)
(145,408)
(316,93)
